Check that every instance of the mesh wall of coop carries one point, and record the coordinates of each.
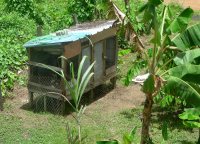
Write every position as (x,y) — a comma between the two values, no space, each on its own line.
(97,40)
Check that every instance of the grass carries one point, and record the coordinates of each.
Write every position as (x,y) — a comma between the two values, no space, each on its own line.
(26,127)
(44,128)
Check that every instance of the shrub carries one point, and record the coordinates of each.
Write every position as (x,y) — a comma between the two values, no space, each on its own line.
(15,31)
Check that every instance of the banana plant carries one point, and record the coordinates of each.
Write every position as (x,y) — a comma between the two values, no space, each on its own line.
(184,81)
(163,72)
(76,87)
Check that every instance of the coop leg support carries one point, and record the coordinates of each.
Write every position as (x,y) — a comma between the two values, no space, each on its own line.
(113,81)
(45,103)
(31,99)
(63,107)
(91,94)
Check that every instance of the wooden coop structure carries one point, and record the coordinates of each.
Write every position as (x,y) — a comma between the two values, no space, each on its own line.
(97,40)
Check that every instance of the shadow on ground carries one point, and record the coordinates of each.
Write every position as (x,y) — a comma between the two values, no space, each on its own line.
(160,115)
(55,106)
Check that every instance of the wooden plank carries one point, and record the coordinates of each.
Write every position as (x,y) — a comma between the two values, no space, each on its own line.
(116,52)
(42,87)
(98,57)
(92,79)
(42,66)
(72,49)
(30,98)
(104,57)
(45,103)
(62,83)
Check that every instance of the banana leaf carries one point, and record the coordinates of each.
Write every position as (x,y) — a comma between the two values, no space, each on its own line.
(180,23)
(188,39)
(191,117)
(180,88)
(187,72)
(187,57)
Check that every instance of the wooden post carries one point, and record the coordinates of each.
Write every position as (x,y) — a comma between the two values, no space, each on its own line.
(64,68)
(1,99)
(63,106)
(92,85)
(39,30)
(113,81)
(45,103)
(75,18)
(104,57)
(30,98)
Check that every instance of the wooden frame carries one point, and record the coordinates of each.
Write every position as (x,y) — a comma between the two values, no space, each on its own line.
(72,49)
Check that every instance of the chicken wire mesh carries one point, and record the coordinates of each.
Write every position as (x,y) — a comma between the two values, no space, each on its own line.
(45,89)
(43,102)
(44,77)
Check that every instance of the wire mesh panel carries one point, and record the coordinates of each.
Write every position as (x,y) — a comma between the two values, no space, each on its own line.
(43,102)
(45,87)
(44,77)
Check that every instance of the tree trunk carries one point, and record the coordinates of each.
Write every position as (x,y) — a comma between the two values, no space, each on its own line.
(145,137)
(39,30)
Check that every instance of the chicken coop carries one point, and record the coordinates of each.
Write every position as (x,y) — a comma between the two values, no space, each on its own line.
(96,40)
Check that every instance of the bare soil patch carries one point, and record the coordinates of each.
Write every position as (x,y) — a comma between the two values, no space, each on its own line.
(119,99)
(194,4)
(115,100)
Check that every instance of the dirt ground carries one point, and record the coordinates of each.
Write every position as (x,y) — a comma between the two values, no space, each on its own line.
(194,4)
(114,100)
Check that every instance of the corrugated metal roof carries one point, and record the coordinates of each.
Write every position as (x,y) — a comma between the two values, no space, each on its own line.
(72,34)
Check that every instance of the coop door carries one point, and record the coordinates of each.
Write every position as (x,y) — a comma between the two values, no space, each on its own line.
(98,57)
(110,52)
(86,52)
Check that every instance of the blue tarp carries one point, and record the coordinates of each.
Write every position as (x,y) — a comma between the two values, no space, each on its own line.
(56,40)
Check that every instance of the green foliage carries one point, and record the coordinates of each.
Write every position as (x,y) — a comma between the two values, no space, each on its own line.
(139,27)
(84,10)
(179,88)
(25,7)
(181,80)
(103,9)
(189,56)
(15,31)
(169,102)
(135,69)
(72,136)
(123,43)
(127,139)
(164,131)
(149,83)
(19,25)
(130,138)
(56,15)
(76,87)
(187,72)
(188,39)
(124,52)
(180,23)
(191,117)
(178,91)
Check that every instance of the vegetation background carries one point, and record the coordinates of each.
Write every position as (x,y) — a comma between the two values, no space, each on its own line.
(17,26)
